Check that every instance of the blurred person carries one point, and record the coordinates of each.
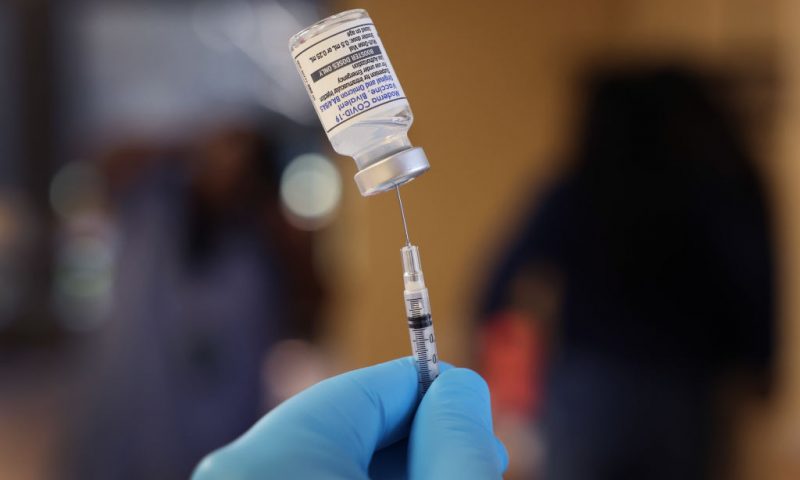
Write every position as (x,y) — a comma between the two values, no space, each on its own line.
(656,246)
(209,276)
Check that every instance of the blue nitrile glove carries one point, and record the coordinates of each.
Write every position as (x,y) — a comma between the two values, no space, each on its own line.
(337,428)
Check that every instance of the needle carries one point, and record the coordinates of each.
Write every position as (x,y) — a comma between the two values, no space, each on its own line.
(403,214)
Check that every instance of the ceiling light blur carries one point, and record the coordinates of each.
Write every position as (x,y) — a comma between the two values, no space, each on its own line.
(310,190)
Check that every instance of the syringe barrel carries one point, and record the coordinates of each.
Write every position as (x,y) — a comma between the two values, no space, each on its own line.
(420,321)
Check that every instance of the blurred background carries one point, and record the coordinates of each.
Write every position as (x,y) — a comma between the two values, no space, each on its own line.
(607,229)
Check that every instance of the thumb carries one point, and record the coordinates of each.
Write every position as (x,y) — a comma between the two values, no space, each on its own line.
(451,436)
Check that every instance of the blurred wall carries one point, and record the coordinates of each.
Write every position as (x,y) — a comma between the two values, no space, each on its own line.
(491,85)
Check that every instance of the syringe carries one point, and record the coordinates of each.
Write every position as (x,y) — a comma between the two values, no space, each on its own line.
(418,311)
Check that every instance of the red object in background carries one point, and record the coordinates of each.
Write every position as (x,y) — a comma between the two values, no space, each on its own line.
(512,358)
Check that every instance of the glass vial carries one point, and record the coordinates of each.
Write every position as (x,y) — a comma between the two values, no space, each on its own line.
(358,99)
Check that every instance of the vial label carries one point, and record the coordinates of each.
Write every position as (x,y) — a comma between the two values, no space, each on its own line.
(347,73)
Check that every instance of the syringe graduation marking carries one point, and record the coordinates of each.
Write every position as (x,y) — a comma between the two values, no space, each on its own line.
(422,360)
(415,305)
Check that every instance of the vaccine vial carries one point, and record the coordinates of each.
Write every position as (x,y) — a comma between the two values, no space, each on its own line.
(358,99)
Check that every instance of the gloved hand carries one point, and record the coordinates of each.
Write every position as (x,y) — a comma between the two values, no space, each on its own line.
(368,423)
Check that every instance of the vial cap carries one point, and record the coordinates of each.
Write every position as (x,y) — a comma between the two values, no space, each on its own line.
(394,170)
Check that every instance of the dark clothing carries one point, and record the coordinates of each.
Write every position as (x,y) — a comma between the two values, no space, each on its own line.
(619,421)
(655,283)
